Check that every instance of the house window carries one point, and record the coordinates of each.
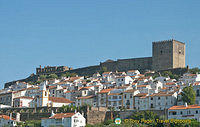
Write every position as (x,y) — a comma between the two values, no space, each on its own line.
(158,98)
(181,112)
(125,96)
(197,112)
(174,113)
(131,95)
(198,93)
(151,98)
(151,105)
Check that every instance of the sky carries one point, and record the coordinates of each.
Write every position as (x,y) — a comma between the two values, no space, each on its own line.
(80,33)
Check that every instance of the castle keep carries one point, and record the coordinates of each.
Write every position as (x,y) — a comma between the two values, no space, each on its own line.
(166,55)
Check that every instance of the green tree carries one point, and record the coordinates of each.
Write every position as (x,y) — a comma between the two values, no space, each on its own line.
(194,70)
(43,77)
(188,95)
(103,69)
(52,76)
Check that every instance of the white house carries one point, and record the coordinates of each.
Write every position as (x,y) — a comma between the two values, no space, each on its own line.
(184,112)
(188,78)
(122,80)
(22,101)
(141,101)
(128,98)
(103,98)
(90,100)
(162,100)
(65,120)
(133,72)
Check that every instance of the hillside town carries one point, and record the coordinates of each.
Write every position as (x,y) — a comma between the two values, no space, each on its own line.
(114,91)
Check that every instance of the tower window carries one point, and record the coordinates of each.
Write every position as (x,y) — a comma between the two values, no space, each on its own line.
(161,52)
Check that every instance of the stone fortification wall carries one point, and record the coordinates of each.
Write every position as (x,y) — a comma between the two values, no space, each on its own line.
(129,64)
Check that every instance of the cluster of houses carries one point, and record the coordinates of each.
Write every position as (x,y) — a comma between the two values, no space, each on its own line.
(113,90)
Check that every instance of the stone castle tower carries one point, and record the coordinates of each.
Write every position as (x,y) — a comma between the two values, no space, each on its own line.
(168,55)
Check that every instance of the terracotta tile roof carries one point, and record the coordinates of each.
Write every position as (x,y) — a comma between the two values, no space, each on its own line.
(130,91)
(72,79)
(59,100)
(105,91)
(183,107)
(23,97)
(132,71)
(170,83)
(4,117)
(32,88)
(162,94)
(142,86)
(114,94)
(87,87)
(52,87)
(191,75)
(106,73)
(86,97)
(62,115)
(141,94)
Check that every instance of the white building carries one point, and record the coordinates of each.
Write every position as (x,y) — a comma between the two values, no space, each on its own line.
(65,120)
(22,101)
(162,100)
(188,78)
(184,112)
(86,100)
(128,98)
(122,80)
(103,98)
(133,72)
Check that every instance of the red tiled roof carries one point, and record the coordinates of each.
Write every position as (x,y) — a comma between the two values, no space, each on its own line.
(170,83)
(87,87)
(140,94)
(105,90)
(162,94)
(4,117)
(106,73)
(86,97)
(23,97)
(59,100)
(184,107)
(52,87)
(62,115)
(130,91)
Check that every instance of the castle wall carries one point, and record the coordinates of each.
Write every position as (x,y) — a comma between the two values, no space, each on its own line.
(129,64)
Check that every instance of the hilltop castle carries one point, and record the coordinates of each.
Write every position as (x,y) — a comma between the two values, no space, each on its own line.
(166,55)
